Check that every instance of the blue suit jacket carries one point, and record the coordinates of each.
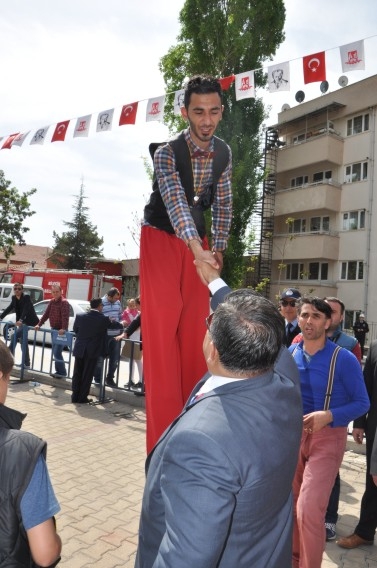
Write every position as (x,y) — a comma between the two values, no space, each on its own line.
(91,337)
(218,488)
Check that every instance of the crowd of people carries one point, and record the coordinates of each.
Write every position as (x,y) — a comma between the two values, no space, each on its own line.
(247,406)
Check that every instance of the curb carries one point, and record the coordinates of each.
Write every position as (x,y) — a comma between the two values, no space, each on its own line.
(117,394)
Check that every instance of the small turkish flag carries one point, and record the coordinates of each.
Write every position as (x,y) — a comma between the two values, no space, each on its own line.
(314,68)
(128,114)
(60,131)
(8,142)
(226,82)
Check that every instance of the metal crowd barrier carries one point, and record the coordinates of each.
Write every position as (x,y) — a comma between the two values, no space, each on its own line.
(42,360)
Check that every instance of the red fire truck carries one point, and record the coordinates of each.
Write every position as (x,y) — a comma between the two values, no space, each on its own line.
(75,284)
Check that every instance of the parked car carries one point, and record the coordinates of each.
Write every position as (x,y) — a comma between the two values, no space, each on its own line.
(6,292)
(76,307)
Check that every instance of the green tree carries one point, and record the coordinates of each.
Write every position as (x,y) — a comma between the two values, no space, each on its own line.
(221,38)
(81,242)
(14,209)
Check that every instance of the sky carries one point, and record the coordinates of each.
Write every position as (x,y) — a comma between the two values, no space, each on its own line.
(65,59)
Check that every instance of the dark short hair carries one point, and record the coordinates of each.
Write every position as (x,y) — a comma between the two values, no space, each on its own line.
(95,303)
(318,303)
(202,85)
(6,360)
(336,301)
(113,292)
(247,331)
(18,284)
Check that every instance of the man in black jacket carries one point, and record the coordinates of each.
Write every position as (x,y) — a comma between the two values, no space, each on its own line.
(25,316)
(288,309)
(365,529)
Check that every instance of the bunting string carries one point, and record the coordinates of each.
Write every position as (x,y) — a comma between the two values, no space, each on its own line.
(352,58)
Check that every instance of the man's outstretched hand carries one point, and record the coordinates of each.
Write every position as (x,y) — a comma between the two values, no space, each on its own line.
(206,271)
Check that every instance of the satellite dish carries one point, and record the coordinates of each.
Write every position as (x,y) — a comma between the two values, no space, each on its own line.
(324,87)
(285,106)
(300,96)
(343,81)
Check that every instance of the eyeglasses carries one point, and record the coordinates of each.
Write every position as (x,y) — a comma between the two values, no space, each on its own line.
(209,320)
(17,288)
(286,303)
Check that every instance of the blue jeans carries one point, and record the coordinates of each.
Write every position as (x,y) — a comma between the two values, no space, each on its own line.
(57,353)
(18,336)
(333,506)
(113,354)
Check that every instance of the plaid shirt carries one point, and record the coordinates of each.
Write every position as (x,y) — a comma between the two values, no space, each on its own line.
(57,312)
(174,198)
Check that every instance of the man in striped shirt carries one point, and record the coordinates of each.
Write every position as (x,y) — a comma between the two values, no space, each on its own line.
(188,180)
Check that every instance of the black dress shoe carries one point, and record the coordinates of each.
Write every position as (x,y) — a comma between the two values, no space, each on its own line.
(111,383)
(85,401)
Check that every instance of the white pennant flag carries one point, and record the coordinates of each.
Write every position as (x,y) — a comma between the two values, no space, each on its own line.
(278,77)
(245,88)
(20,138)
(39,136)
(155,109)
(82,126)
(179,101)
(352,56)
(105,120)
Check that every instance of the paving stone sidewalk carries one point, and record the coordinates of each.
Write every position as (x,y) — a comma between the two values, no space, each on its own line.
(96,460)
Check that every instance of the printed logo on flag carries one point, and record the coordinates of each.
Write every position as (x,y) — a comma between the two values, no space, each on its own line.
(245,88)
(82,126)
(155,109)
(352,56)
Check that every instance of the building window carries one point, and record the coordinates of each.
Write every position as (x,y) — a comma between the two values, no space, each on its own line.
(357,124)
(319,224)
(318,271)
(353,220)
(352,270)
(299,181)
(356,172)
(294,271)
(297,226)
(322,176)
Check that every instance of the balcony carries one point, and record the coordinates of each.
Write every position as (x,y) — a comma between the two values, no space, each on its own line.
(316,245)
(326,147)
(321,195)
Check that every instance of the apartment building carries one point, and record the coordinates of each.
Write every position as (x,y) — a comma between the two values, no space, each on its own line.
(319,218)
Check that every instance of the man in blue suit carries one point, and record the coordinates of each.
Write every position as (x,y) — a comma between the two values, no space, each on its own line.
(219,481)
(91,336)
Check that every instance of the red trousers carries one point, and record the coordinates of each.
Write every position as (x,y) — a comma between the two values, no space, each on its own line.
(319,460)
(174,306)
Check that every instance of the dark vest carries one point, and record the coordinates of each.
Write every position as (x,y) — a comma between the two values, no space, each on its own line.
(19,452)
(155,211)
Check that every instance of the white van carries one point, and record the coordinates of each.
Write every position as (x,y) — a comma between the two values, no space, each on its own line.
(6,293)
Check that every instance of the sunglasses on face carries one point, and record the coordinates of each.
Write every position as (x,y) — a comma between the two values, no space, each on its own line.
(17,288)
(286,303)
(209,320)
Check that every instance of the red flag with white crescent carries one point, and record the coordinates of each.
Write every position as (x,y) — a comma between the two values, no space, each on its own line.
(60,131)
(314,67)
(128,114)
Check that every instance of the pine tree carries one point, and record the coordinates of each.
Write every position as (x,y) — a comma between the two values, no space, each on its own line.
(81,242)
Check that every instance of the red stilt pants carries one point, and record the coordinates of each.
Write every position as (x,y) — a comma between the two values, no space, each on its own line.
(174,306)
